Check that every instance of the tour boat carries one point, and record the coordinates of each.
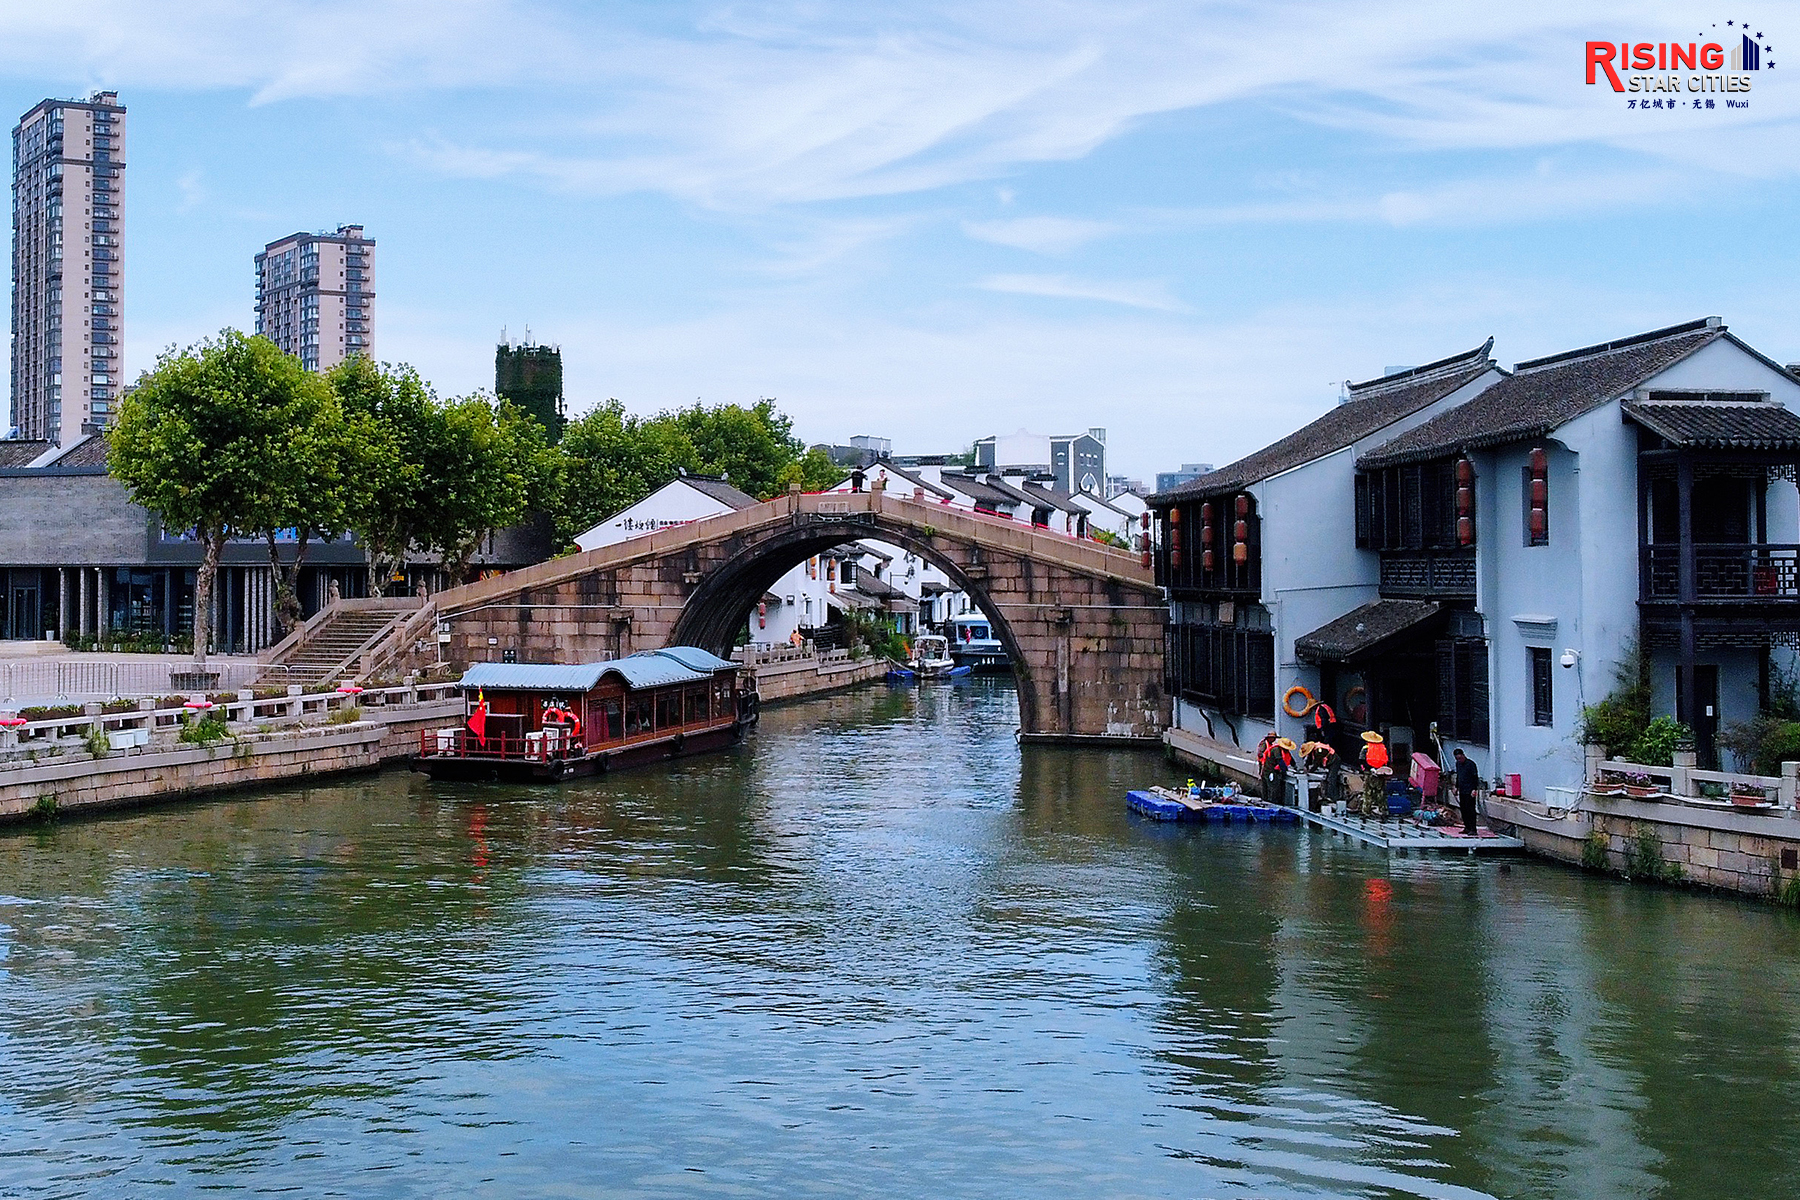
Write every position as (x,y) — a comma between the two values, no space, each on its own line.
(973,644)
(526,721)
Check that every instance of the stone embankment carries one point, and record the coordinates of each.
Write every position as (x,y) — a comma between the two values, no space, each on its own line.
(93,758)
(790,674)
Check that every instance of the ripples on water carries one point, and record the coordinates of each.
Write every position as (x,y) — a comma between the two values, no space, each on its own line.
(880,950)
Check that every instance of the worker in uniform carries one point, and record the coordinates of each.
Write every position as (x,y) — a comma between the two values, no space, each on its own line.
(1275,760)
(1325,724)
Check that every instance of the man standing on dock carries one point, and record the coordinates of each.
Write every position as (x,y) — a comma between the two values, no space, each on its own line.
(1467,780)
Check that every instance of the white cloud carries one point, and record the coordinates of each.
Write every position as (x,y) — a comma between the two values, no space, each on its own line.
(1043,235)
(756,105)
(1133,294)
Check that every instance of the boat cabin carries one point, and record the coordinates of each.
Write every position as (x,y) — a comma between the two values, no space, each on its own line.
(555,719)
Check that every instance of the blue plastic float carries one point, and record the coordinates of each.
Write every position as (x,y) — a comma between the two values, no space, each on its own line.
(1157,808)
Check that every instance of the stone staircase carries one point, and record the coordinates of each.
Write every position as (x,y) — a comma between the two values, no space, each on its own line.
(331,645)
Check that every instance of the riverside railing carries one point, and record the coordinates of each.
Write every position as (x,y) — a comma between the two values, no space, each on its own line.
(150,720)
(78,679)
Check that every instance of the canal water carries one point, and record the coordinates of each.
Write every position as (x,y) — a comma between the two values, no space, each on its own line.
(881,950)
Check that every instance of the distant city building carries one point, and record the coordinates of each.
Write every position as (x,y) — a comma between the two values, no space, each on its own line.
(1118,485)
(315,295)
(1169,480)
(1076,461)
(67,323)
(532,378)
(861,451)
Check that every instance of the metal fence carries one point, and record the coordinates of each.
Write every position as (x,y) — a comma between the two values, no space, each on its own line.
(80,679)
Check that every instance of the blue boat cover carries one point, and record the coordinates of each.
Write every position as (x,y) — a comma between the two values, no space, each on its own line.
(645,669)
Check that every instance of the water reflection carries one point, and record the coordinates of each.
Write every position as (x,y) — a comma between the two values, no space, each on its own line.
(878,948)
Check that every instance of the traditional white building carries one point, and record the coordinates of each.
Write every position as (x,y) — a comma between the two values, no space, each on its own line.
(1483,561)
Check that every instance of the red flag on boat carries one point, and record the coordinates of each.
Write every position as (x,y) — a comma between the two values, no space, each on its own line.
(478,718)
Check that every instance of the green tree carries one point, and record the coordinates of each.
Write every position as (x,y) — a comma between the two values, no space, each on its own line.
(332,460)
(813,471)
(749,446)
(614,459)
(611,460)
(401,420)
(200,440)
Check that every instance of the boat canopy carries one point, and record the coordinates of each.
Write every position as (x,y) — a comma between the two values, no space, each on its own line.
(645,669)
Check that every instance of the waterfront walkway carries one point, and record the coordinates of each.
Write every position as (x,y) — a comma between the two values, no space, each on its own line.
(1403,834)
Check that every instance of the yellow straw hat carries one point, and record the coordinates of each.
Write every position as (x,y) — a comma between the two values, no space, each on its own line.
(1369,735)
(1286,743)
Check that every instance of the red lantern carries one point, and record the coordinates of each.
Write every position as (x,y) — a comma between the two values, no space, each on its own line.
(1240,531)
(1243,507)
(1240,554)
(1465,531)
(1206,559)
(1540,462)
(1465,472)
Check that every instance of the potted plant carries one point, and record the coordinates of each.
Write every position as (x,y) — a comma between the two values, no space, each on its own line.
(1749,795)
(1639,786)
(1607,784)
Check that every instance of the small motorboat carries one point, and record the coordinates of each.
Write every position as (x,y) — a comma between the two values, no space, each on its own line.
(930,660)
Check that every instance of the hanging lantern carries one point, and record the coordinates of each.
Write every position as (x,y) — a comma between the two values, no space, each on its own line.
(1243,506)
(1465,472)
(1144,537)
(1240,554)
(1206,559)
(1206,524)
(1240,531)
(1174,545)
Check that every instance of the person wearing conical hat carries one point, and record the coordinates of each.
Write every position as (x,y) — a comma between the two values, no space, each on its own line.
(1374,751)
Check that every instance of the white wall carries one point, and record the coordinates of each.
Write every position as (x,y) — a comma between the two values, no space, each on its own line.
(675,503)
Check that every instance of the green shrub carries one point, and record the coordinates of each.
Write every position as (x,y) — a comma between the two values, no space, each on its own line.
(47,712)
(1763,743)
(1617,721)
(346,716)
(1655,746)
(1593,852)
(1644,857)
(203,732)
(98,744)
(45,808)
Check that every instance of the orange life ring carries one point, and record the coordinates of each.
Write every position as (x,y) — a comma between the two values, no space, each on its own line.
(1287,701)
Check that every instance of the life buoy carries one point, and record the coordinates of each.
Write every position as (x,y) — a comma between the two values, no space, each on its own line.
(1287,701)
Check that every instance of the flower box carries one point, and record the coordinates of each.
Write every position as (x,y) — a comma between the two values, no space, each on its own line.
(1606,787)
(1638,791)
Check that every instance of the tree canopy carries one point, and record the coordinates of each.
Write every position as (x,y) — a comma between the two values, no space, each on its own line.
(206,442)
(612,458)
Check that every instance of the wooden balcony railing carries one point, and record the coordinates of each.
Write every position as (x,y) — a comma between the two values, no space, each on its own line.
(1764,572)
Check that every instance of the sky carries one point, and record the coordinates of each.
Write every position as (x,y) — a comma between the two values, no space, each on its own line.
(1182,222)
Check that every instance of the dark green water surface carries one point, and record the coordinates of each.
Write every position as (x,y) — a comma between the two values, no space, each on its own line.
(880,951)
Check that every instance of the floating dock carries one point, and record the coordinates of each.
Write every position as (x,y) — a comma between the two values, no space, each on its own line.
(1162,808)
(1397,833)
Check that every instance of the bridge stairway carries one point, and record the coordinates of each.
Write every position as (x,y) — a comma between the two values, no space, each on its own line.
(332,649)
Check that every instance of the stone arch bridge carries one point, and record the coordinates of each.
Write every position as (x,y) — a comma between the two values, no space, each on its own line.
(1082,622)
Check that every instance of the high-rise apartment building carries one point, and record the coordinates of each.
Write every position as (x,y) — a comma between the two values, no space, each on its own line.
(315,295)
(68,266)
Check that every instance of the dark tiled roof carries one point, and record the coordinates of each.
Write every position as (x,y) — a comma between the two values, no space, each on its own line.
(1719,425)
(901,472)
(1361,631)
(17,453)
(88,453)
(719,490)
(979,491)
(1545,393)
(1054,497)
(1373,405)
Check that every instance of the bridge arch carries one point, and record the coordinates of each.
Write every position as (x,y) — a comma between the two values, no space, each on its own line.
(721,604)
(1082,622)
